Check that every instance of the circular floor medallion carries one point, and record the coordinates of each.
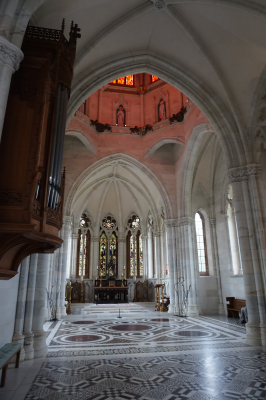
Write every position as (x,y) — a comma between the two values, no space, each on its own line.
(130,328)
(84,322)
(192,333)
(160,319)
(83,338)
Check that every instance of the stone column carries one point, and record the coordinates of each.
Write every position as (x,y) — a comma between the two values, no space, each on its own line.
(74,250)
(28,341)
(249,255)
(150,256)
(121,257)
(10,58)
(39,343)
(18,337)
(189,265)
(64,264)
(157,255)
(216,265)
(95,241)
(145,256)
(170,224)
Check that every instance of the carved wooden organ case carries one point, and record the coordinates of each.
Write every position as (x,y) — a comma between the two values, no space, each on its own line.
(31,150)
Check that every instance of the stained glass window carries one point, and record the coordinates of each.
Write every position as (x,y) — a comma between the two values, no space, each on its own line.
(134,222)
(201,244)
(129,80)
(109,222)
(81,256)
(154,78)
(125,80)
(140,256)
(120,81)
(133,254)
(103,248)
(112,253)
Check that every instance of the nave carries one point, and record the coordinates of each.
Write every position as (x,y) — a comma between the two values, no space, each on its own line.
(93,354)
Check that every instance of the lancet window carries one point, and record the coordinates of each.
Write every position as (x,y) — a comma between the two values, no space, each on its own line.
(125,80)
(83,248)
(108,262)
(103,254)
(201,244)
(134,247)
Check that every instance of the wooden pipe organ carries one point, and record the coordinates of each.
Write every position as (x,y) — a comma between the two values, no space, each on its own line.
(31,149)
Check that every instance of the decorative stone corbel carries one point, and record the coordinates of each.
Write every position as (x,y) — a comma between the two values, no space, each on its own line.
(10,55)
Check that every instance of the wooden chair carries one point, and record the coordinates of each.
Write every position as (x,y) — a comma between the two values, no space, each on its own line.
(234,306)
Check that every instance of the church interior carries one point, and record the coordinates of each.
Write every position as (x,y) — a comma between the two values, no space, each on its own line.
(132,199)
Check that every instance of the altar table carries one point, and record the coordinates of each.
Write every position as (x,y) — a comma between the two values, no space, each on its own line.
(111,294)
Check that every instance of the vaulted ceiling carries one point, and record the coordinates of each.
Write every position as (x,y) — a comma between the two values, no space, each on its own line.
(221,42)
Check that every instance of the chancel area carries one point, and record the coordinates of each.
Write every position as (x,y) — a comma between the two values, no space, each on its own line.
(132,200)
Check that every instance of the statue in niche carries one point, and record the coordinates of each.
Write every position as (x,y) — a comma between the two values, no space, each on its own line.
(162,110)
(121,116)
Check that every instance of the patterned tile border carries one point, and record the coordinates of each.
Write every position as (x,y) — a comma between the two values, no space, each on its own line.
(143,350)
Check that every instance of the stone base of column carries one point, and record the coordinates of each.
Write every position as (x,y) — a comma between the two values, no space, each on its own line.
(192,310)
(221,310)
(171,308)
(28,345)
(61,312)
(253,335)
(18,338)
(39,344)
(263,334)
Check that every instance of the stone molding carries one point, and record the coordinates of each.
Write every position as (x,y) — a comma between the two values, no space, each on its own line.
(159,5)
(95,238)
(121,240)
(74,236)
(243,173)
(183,221)
(213,221)
(10,55)
(67,220)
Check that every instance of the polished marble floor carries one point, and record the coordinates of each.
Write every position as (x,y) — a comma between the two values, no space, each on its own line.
(152,356)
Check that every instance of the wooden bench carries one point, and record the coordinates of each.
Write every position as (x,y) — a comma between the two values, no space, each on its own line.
(6,354)
(234,306)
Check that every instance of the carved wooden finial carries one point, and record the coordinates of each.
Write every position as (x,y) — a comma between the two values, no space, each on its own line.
(74,32)
(63,26)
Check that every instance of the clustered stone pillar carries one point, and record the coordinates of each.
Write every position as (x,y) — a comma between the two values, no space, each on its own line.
(170,224)
(145,256)
(66,230)
(188,267)
(10,58)
(28,334)
(216,265)
(121,256)
(39,344)
(252,246)
(18,337)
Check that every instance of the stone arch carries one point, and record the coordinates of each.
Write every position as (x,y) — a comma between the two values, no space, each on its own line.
(160,143)
(83,138)
(77,187)
(214,109)
(188,166)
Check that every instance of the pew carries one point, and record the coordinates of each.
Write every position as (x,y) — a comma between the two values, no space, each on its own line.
(234,306)
(6,354)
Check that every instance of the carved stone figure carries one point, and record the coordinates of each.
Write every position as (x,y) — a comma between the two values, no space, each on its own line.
(162,113)
(121,116)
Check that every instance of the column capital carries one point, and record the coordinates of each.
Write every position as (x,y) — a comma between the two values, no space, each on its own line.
(243,173)
(10,55)
(95,238)
(67,220)
(121,239)
(74,235)
(213,221)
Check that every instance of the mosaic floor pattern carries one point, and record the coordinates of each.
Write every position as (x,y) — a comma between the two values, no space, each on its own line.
(202,376)
(142,331)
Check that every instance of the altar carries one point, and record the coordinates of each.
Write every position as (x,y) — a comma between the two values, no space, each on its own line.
(110,291)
